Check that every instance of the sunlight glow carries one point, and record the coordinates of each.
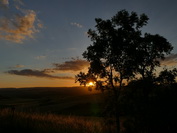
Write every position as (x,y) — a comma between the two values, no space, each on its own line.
(90,84)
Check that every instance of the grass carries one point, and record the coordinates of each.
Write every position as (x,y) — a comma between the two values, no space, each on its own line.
(67,101)
(20,122)
(51,110)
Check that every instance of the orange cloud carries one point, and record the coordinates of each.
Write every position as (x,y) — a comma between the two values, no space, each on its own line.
(19,26)
(170,60)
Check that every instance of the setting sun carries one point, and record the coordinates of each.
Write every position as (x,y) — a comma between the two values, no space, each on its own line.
(90,84)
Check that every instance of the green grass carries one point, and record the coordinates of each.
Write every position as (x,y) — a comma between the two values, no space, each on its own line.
(20,122)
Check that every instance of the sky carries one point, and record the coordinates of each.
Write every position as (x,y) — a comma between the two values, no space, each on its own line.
(42,41)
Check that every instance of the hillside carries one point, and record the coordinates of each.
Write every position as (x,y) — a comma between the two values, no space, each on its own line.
(61,100)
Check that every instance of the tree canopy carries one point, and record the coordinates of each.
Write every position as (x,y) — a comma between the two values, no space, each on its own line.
(122,52)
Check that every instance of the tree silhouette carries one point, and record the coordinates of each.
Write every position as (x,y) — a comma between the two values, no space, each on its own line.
(167,76)
(120,52)
(150,51)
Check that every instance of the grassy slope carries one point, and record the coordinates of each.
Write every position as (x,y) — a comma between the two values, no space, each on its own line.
(73,100)
(46,110)
(20,122)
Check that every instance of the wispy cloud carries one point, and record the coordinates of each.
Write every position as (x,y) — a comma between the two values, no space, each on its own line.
(76,24)
(72,65)
(18,66)
(18,25)
(170,60)
(41,57)
(36,73)
(19,2)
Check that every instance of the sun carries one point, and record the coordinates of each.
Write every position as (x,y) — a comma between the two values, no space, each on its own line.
(90,84)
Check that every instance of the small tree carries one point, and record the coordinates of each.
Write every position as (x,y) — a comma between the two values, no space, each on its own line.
(150,51)
(167,76)
(119,52)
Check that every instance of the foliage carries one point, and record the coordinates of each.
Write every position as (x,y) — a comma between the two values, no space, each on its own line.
(167,76)
(84,79)
(150,51)
(120,51)
(122,56)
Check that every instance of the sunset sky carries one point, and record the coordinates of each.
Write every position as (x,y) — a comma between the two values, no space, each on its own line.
(42,41)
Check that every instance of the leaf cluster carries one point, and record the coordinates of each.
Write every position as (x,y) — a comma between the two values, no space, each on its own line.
(120,51)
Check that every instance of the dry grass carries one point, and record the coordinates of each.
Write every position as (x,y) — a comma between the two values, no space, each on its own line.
(18,122)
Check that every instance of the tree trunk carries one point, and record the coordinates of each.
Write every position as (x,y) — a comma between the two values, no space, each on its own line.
(116,97)
(117,120)
(117,113)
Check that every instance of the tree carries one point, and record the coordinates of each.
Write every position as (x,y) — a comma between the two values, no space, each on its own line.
(167,76)
(120,52)
(150,51)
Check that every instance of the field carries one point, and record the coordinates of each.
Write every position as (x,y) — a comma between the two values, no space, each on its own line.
(44,110)
(20,122)
(72,101)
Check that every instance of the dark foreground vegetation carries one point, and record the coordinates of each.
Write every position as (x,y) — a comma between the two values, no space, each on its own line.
(150,108)
(61,100)
(51,110)
(64,110)
(20,122)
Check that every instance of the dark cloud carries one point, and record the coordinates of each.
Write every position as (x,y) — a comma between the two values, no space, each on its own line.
(171,57)
(170,60)
(73,65)
(36,73)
